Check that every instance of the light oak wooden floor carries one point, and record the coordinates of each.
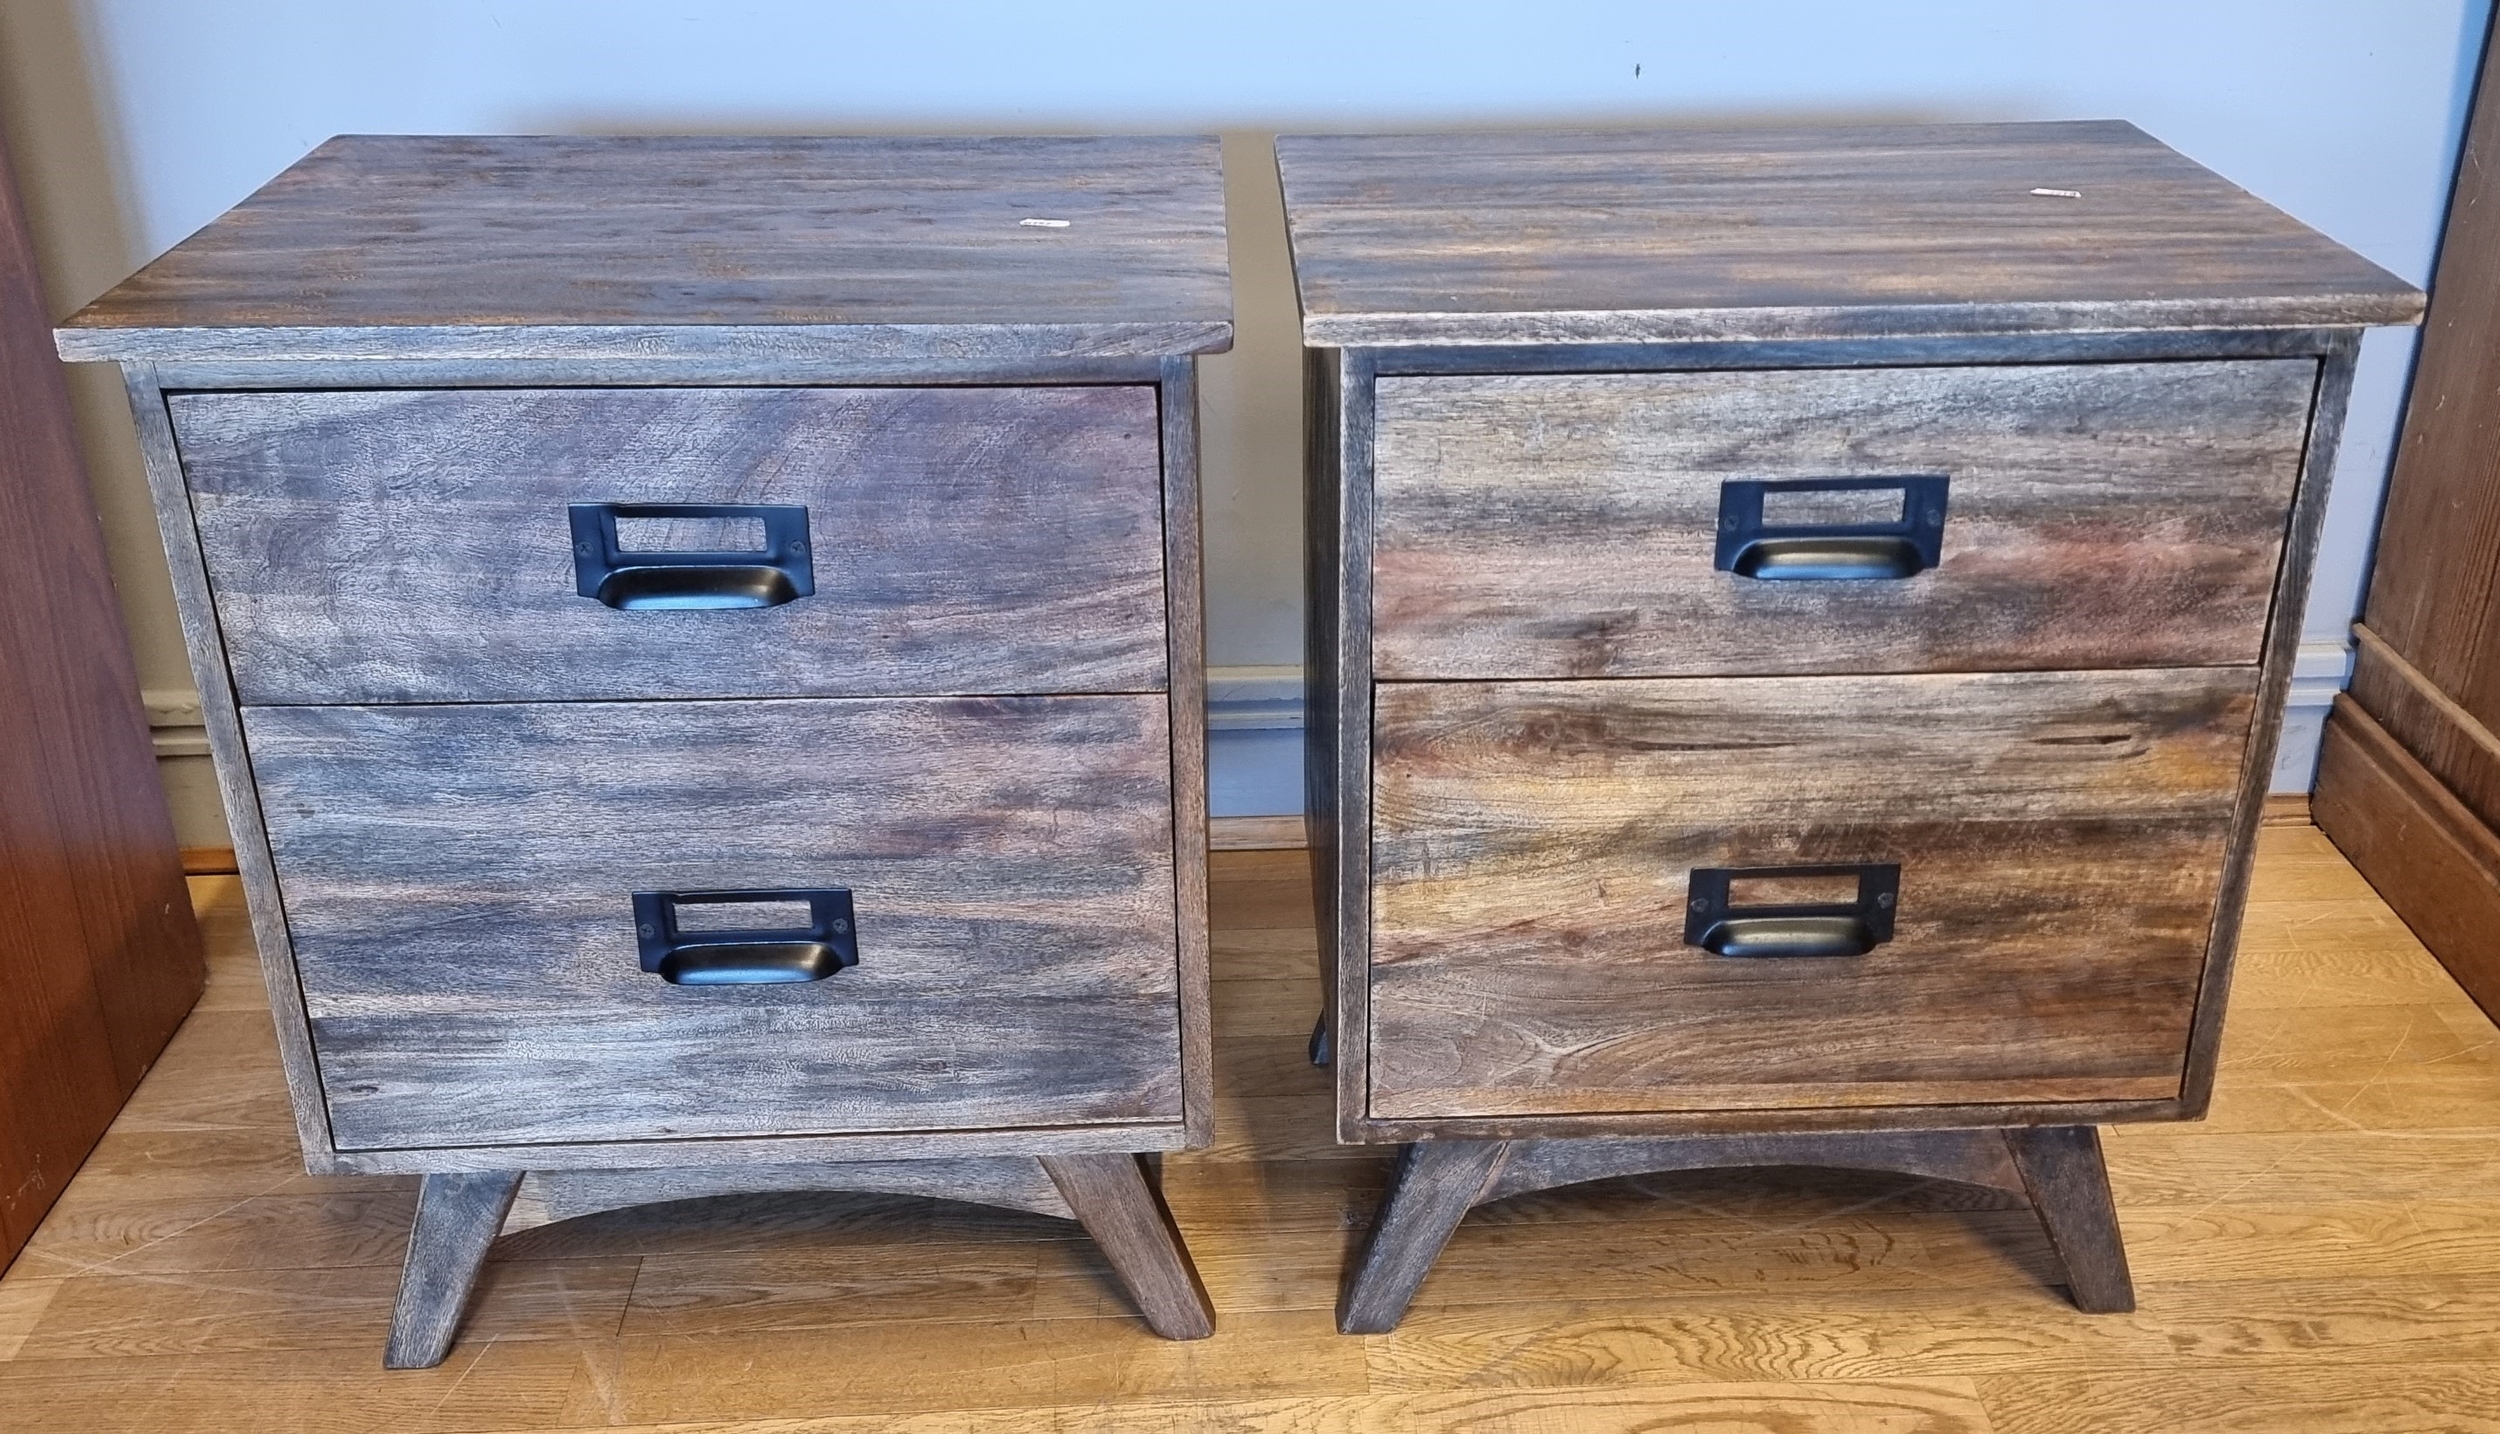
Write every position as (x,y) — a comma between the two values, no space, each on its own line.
(2324,1254)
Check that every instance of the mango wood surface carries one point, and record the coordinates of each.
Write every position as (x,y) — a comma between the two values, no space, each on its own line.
(459,880)
(2096,515)
(2057,1169)
(1578,237)
(414,545)
(421,246)
(2315,1257)
(2060,837)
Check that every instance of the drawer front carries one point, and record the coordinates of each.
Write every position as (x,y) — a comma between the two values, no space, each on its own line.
(2059,839)
(413,546)
(2094,516)
(459,882)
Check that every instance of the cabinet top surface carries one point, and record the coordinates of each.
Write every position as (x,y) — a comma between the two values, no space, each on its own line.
(1665,235)
(419,246)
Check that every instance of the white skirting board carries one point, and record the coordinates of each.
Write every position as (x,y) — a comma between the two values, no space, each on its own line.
(1254,735)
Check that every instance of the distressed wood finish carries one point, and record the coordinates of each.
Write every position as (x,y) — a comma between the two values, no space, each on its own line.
(2058,1169)
(223,722)
(1436,1183)
(413,546)
(1972,1157)
(458,886)
(1561,237)
(1186,712)
(727,248)
(2060,839)
(385,377)
(1127,1218)
(2132,374)
(547,1197)
(2098,515)
(2069,1189)
(457,1216)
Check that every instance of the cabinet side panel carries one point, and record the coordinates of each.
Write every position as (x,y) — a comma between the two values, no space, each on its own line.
(198,609)
(2291,598)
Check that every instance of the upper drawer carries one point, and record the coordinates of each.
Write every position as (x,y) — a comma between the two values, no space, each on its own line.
(2095,516)
(418,546)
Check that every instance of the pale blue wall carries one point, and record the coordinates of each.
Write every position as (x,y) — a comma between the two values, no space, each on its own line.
(2344,112)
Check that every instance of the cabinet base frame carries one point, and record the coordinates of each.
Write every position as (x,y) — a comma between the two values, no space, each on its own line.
(1114,1196)
(2057,1168)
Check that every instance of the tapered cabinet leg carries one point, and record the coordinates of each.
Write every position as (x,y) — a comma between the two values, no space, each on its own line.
(2068,1184)
(1120,1208)
(457,1217)
(1436,1182)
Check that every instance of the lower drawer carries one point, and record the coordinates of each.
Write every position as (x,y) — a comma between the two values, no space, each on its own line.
(459,883)
(2052,843)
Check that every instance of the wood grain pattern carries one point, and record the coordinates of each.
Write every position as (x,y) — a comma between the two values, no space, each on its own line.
(99,958)
(457,1216)
(2434,590)
(2060,837)
(2334,1275)
(1973,1157)
(457,884)
(1127,1218)
(222,719)
(1436,1183)
(2101,515)
(548,1196)
(1186,714)
(2069,1188)
(1561,237)
(2265,732)
(413,545)
(418,246)
(2425,851)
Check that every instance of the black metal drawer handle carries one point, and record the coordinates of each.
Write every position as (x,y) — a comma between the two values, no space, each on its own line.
(779,572)
(1900,547)
(1846,928)
(829,941)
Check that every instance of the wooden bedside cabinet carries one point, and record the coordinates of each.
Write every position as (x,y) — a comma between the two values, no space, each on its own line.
(1800,624)
(700,639)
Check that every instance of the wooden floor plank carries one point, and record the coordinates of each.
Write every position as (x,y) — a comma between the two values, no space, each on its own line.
(2319,1254)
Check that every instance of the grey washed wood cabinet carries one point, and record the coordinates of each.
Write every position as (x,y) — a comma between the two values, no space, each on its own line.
(1799,624)
(700,639)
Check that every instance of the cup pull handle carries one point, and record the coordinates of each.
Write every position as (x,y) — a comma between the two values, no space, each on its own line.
(1902,546)
(781,571)
(748,956)
(1713,922)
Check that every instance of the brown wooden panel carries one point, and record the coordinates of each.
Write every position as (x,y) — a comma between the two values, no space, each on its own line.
(2435,729)
(2432,859)
(99,957)
(425,246)
(2098,515)
(1795,232)
(2060,836)
(393,546)
(458,885)
(2435,586)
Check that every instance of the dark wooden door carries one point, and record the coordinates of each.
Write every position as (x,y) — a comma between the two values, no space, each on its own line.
(2409,780)
(99,956)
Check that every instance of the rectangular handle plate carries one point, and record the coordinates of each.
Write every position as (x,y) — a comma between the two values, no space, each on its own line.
(1899,547)
(746,956)
(781,571)
(1713,922)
